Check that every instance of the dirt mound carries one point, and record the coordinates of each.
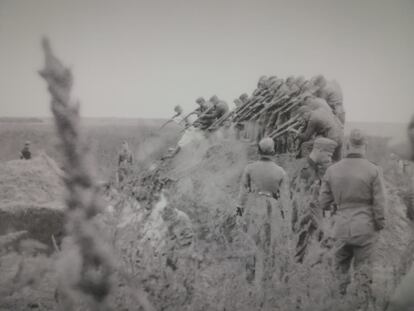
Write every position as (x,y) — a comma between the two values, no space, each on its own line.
(31,195)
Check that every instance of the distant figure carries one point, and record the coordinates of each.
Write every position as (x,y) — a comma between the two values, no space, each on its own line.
(125,161)
(25,154)
(356,187)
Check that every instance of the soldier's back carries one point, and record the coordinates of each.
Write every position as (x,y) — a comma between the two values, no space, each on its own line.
(265,175)
(351,180)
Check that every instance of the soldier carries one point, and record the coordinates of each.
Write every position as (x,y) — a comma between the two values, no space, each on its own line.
(25,154)
(403,298)
(356,187)
(220,109)
(263,195)
(332,93)
(244,98)
(321,122)
(124,161)
(203,105)
(318,82)
(305,185)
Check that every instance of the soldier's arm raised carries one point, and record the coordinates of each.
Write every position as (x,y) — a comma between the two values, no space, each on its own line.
(326,198)
(379,200)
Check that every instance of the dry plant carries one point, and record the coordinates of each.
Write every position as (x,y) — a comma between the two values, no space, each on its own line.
(86,266)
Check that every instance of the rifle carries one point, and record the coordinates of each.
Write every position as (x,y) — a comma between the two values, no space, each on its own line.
(259,95)
(247,106)
(291,123)
(220,121)
(272,105)
(285,108)
(253,110)
(199,118)
(170,120)
(185,118)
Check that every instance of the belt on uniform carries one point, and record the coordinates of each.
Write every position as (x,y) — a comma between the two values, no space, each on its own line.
(357,201)
(265,194)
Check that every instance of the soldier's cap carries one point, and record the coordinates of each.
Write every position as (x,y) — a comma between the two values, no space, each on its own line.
(319,80)
(200,100)
(405,148)
(214,98)
(267,146)
(27,143)
(244,96)
(357,138)
(325,144)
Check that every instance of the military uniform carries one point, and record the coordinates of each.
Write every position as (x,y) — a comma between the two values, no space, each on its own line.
(403,298)
(263,193)
(323,123)
(332,93)
(25,154)
(356,187)
(220,109)
(307,215)
(305,185)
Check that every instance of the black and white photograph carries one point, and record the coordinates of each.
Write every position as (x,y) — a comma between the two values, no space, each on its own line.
(220,155)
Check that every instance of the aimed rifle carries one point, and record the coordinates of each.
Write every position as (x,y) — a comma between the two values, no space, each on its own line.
(285,108)
(170,120)
(220,121)
(185,118)
(288,125)
(273,104)
(199,118)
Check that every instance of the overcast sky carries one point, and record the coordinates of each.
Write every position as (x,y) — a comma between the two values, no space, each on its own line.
(140,58)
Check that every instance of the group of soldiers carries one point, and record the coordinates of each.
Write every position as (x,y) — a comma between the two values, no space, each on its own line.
(206,114)
(291,111)
(351,188)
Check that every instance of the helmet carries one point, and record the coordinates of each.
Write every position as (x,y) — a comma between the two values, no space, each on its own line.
(267,146)
(178,109)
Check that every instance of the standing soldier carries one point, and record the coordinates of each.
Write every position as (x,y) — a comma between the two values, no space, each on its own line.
(305,185)
(356,187)
(262,198)
(25,154)
(124,161)
(403,298)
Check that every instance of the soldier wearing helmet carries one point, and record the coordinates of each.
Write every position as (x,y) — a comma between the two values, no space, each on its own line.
(356,187)
(263,194)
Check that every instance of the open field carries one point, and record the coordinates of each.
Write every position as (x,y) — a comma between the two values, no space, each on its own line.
(203,184)
(103,137)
